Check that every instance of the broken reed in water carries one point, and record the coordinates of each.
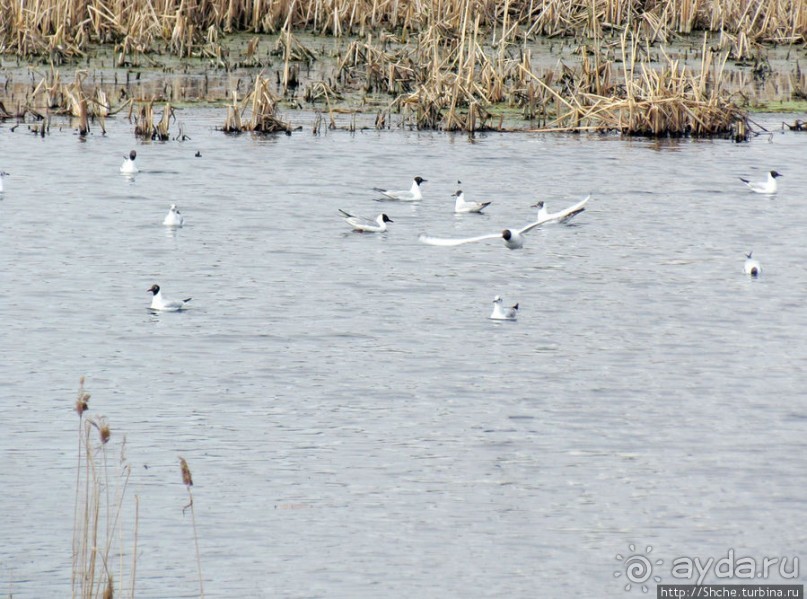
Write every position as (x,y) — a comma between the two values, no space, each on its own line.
(261,106)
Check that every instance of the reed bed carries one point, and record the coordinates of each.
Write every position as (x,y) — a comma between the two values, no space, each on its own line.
(457,65)
(147,127)
(100,556)
(670,101)
(65,29)
(256,113)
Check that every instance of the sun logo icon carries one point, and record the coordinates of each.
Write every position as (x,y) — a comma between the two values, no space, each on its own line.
(638,569)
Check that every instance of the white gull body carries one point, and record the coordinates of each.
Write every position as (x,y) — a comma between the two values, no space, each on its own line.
(768,186)
(366,225)
(174,218)
(158,302)
(411,195)
(129,167)
(461,206)
(501,312)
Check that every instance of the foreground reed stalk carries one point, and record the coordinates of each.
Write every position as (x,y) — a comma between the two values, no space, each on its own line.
(97,514)
(187,480)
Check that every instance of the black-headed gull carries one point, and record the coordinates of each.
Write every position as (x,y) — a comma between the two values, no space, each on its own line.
(2,174)
(174,218)
(366,225)
(768,186)
(129,167)
(513,238)
(461,206)
(158,302)
(751,266)
(561,216)
(501,312)
(411,195)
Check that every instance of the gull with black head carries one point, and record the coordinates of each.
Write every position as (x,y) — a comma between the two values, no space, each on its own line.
(161,303)
(407,195)
(366,225)
(769,186)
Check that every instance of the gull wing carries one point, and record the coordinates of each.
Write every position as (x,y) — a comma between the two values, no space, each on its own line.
(400,196)
(358,221)
(423,238)
(531,226)
(572,210)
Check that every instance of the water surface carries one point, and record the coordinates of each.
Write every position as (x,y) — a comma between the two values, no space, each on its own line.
(355,425)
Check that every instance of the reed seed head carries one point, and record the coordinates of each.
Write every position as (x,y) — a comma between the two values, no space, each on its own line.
(187,480)
(82,398)
(104,432)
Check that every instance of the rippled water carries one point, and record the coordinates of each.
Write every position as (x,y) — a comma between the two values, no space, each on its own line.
(355,425)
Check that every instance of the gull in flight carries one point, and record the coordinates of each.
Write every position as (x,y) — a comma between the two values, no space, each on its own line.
(174,218)
(751,266)
(513,238)
(461,206)
(501,312)
(2,174)
(410,195)
(769,186)
(562,216)
(158,302)
(366,225)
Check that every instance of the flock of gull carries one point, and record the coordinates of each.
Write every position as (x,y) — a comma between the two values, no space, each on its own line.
(513,237)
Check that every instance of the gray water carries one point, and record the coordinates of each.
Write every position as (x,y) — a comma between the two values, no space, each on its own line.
(355,425)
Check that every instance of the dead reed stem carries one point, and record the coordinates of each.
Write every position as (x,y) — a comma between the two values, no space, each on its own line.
(65,29)
(187,480)
(261,105)
(96,516)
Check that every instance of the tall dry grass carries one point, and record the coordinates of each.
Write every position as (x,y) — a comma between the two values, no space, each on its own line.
(256,113)
(187,480)
(63,29)
(103,562)
(646,100)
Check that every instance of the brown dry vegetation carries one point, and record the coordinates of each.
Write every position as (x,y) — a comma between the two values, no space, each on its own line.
(101,551)
(449,64)
(68,27)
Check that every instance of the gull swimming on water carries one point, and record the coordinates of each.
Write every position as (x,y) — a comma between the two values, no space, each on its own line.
(2,174)
(751,266)
(461,206)
(129,167)
(366,225)
(769,186)
(411,195)
(174,218)
(513,238)
(158,302)
(501,312)
(562,216)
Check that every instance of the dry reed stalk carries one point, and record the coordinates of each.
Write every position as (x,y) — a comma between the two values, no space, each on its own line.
(63,29)
(262,106)
(187,480)
(672,100)
(95,520)
(145,127)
